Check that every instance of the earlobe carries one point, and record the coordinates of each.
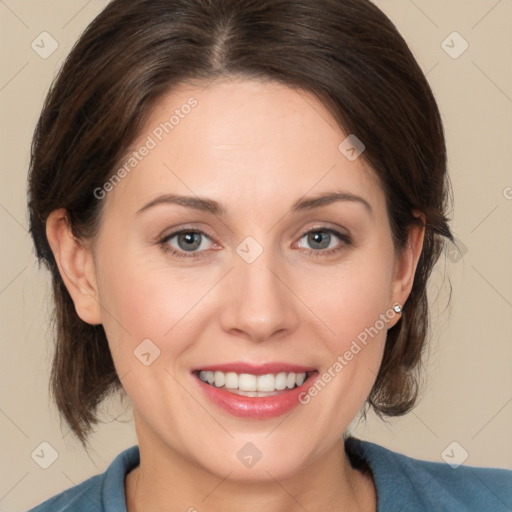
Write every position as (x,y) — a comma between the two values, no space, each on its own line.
(76,266)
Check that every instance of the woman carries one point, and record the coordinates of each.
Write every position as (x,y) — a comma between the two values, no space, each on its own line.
(241,204)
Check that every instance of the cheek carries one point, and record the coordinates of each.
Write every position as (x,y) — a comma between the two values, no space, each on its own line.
(355,297)
(135,305)
(359,315)
(358,310)
(148,301)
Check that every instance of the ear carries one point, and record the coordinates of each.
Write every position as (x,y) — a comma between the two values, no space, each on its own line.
(76,266)
(406,263)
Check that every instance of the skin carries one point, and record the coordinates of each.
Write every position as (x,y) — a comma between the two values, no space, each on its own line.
(255,148)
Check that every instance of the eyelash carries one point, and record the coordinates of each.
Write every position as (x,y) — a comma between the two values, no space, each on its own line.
(317,253)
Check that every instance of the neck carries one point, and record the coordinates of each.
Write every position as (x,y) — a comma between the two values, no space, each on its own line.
(165,481)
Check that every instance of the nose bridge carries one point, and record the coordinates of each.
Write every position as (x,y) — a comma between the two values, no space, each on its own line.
(260,303)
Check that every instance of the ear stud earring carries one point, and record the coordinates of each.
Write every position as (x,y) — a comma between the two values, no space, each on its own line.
(397,308)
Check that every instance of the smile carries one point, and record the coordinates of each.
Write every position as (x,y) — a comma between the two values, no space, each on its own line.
(255,391)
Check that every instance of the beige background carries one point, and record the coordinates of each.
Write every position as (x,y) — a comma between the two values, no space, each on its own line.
(467,394)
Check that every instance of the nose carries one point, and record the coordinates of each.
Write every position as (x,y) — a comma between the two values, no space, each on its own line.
(260,303)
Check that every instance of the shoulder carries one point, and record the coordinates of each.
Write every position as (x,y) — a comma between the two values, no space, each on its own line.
(85,497)
(98,493)
(406,483)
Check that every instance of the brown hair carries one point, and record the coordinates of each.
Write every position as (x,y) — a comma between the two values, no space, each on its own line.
(346,52)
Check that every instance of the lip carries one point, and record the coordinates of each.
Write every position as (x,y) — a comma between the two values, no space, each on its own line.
(256,369)
(255,407)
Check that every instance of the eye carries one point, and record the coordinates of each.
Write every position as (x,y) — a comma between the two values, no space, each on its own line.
(322,241)
(192,243)
(188,240)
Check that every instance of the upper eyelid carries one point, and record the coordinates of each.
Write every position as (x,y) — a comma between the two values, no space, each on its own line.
(176,232)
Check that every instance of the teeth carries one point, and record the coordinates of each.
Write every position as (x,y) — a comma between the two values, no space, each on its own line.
(266,382)
(280,381)
(247,382)
(220,379)
(290,380)
(252,384)
(300,378)
(231,380)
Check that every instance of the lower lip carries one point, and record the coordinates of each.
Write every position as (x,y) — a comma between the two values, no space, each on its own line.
(256,407)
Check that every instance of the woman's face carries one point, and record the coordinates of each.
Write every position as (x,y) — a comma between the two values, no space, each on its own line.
(267,276)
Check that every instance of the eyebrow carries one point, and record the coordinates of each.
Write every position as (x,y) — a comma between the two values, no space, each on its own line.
(211,206)
(327,198)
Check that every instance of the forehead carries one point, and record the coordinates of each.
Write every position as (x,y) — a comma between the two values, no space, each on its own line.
(240,141)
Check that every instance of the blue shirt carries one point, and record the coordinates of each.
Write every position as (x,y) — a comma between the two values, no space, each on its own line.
(403,484)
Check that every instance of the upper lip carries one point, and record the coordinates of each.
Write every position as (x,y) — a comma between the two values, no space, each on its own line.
(256,369)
